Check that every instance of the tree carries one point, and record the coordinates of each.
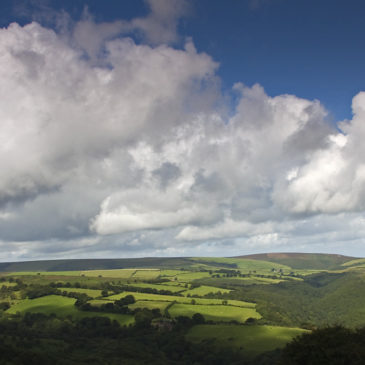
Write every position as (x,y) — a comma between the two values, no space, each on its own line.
(198,318)
(104,293)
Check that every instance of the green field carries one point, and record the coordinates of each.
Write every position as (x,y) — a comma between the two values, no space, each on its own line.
(204,290)
(172,298)
(224,313)
(117,273)
(62,307)
(170,273)
(6,283)
(356,262)
(257,280)
(146,274)
(188,276)
(45,273)
(93,293)
(149,304)
(252,340)
(172,288)
(244,265)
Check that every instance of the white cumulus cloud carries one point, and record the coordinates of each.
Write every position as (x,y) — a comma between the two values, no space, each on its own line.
(128,149)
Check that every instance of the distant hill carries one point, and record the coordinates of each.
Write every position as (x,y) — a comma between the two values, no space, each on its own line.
(299,261)
(302,261)
(95,264)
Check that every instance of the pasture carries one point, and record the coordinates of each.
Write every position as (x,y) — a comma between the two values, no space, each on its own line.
(92,293)
(188,276)
(149,304)
(180,299)
(245,265)
(204,290)
(7,283)
(146,274)
(171,288)
(116,273)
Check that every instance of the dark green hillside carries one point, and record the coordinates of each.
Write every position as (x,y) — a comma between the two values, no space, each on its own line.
(321,299)
(303,261)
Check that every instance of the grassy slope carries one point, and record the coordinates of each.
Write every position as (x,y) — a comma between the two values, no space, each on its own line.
(204,290)
(149,304)
(171,298)
(252,340)
(303,260)
(93,293)
(243,264)
(172,288)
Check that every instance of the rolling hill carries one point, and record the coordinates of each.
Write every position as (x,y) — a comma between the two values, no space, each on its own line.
(303,261)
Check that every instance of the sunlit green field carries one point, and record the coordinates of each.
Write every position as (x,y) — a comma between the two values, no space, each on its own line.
(63,307)
(218,313)
(149,304)
(6,283)
(257,280)
(146,274)
(204,290)
(172,288)
(93,293)
(245,265)
(117,273)
(172,298)
(250,339)
(170,273)
(190,276)
(45,273)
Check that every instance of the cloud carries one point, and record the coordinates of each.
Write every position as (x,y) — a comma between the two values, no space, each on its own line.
(126,151)
(160,26)
(332,179)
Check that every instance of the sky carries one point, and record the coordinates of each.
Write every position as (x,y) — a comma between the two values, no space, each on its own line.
(181,128)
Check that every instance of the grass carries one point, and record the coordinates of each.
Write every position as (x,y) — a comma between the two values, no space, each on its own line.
(304,260)
(172,288)
(189,276)
(223,313)
(146,274)
(93,293)
(204,290)
(149,304)
(63,307)
(98,302)
(45,273)
(244,265)
(172,298)
(251,340)
(170,273)
(6,283)
(257,280)
(354,262)
(117,273)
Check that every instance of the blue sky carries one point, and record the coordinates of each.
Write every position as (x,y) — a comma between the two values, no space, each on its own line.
(313,49)
(177,128)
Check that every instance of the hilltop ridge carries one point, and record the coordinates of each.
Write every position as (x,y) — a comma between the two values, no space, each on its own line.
(295,260)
